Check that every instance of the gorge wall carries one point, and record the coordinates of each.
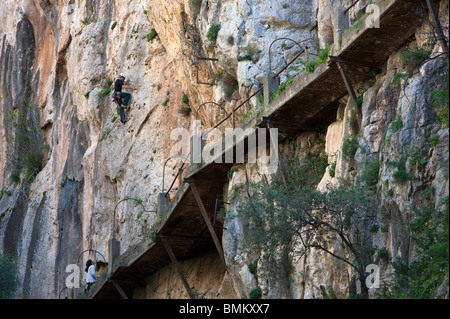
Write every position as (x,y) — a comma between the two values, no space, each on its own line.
(55,62)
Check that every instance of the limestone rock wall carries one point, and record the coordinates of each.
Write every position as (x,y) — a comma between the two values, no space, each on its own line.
(62,52)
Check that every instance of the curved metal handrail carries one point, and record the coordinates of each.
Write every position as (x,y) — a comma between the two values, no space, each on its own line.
(196,112)
(129,198)
(351,6)
(220,106)
(164,170)
(78,260)
(279,39)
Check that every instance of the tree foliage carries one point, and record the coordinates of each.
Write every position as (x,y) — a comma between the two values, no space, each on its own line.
(8,277)
(421,277)
(287,220)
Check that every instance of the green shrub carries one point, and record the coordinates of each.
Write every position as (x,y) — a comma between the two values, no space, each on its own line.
(253,267)
(374,228)
(310,66)
(255,293)
(421,277)
(8,277)
(349,148)
(105,134)
(251,53)
(353,122)
(440,99)
(87,22)
(151,35)
(332,170)
(401,175)
(397,124)
(328,294)
(103,93)
(397,78)
(414,58)
(383,254)
(369,173)
(185,99)
(15,177)
(212,33)
(107,89)
(322,57)
(5,192)
(26,139)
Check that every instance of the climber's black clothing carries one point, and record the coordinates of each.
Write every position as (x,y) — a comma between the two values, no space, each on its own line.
(123,100)
(118,85)
(123,95)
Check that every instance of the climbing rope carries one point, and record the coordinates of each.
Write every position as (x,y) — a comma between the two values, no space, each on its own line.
(125,174)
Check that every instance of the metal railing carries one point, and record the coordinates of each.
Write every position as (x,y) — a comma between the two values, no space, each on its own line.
(303,50)
(176,176)
(351,6)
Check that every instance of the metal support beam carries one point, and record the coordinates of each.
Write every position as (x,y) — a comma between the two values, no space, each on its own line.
(345,77)
(205,217)
(177,265)
(208,59)
(119,289)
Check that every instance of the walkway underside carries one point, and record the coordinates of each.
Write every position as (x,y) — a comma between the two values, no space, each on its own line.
(182,226)
(312,100)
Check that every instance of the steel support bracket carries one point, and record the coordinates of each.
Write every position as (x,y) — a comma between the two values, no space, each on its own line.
(176,264)
(345,77)
(119,289)
(206,219)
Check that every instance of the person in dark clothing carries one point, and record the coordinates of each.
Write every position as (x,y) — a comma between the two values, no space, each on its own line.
(124,97)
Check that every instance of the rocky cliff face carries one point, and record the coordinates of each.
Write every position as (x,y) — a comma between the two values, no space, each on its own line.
(57,60)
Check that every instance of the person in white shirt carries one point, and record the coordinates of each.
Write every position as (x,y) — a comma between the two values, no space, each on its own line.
(91,277)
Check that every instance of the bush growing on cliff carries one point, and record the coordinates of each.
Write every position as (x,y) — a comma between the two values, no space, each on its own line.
(440,99)
(151,35)
(422,277)
(25,138)
(8,277)
(212,33)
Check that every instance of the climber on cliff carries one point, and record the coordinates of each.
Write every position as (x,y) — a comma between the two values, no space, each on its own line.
(122,98)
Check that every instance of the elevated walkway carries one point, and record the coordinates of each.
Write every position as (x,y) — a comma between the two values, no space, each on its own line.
(311,100)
